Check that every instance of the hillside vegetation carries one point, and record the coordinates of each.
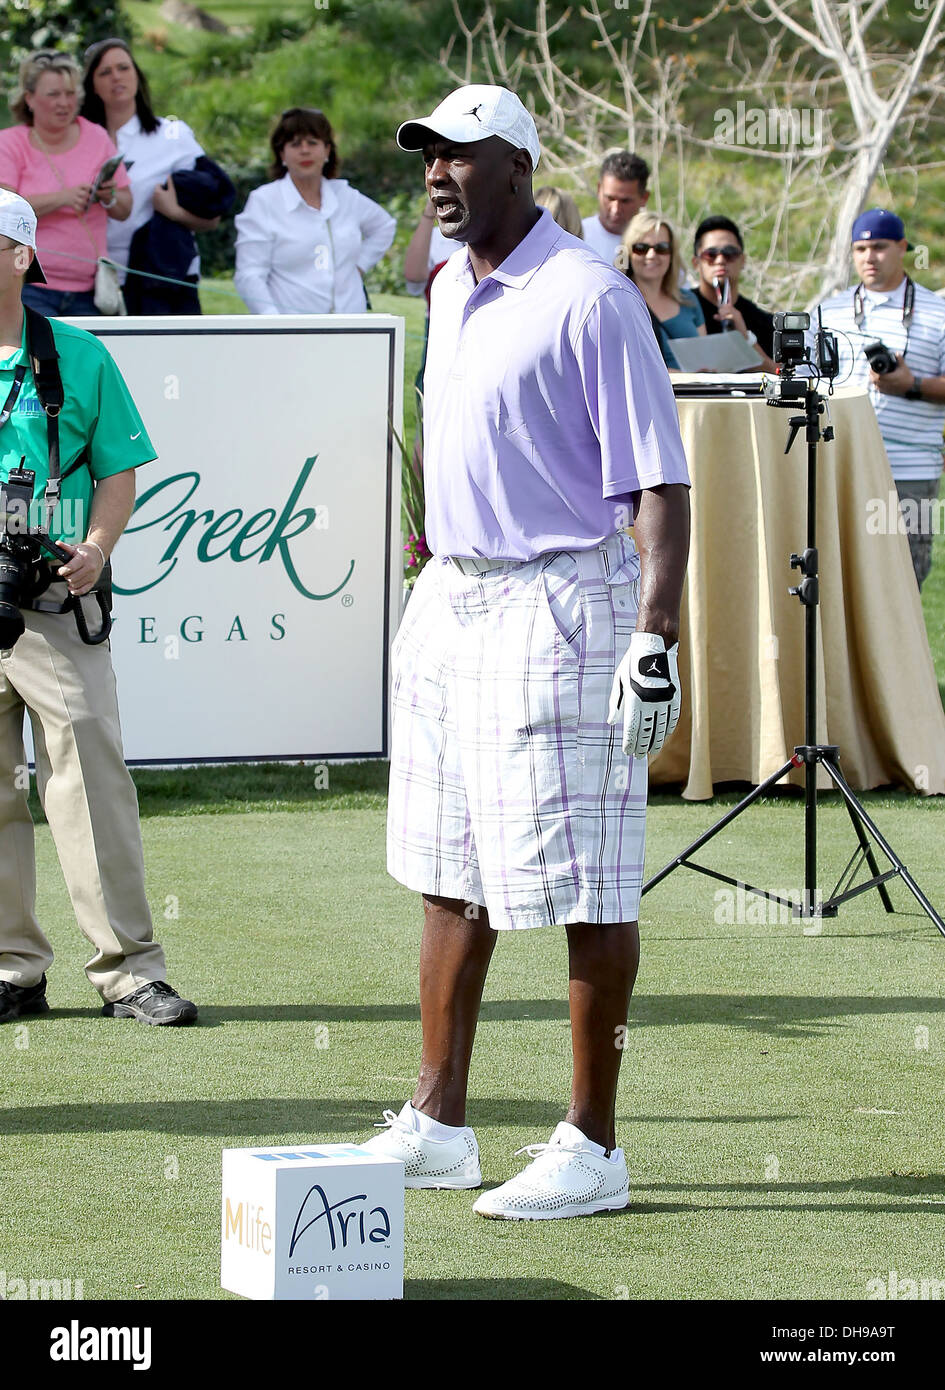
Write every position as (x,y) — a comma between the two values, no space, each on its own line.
(371,63)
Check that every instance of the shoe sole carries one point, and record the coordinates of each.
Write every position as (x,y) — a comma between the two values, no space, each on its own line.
(431,1185)
(584,1209)
(39,1006)
(122,1011)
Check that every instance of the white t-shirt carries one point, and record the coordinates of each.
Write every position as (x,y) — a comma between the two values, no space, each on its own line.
(911,430)
(441,248)
(292,258)
(149,159)
(599,239)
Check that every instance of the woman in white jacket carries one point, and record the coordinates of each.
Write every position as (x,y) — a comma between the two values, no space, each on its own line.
(305,240)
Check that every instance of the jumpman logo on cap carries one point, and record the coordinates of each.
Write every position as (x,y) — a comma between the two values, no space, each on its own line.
(475,112)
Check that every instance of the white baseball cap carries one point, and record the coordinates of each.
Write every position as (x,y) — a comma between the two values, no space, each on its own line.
(475,113)
(18,222)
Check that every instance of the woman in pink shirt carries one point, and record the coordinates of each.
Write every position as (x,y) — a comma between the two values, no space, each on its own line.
(52,159)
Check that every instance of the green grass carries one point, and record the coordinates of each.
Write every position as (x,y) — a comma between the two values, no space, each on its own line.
(753,1049)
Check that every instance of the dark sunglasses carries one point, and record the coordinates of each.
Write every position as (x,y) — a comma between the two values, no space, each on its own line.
(640,248)
(729,253)
(94,49)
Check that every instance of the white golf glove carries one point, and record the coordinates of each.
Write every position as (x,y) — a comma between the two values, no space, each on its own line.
(647,684)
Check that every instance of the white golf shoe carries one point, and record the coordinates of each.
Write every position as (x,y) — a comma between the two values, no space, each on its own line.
(452,1163)
(566,1179)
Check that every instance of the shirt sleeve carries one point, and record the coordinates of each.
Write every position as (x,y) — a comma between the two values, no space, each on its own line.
(11,163)
(695,311)
(117,438)
(255,237)
(377,232)
(184,147)
(628,396)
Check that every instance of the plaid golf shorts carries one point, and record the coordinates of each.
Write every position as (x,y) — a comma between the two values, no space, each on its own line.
(507,786)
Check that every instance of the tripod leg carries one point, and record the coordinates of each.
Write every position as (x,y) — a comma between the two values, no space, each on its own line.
(858,811)
(743,805)
(867,849)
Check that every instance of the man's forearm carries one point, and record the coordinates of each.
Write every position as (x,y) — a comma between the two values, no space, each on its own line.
(661,530)
(932,388)
(112,505)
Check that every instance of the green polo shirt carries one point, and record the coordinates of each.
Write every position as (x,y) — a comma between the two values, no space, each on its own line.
(99,419)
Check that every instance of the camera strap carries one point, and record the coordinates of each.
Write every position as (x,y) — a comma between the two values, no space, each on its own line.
(908,308)
(44,361)
(10,401)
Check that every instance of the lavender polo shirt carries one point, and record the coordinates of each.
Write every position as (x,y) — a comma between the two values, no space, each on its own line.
(546,402)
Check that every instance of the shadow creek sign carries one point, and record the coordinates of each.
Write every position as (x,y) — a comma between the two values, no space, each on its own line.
(258,583)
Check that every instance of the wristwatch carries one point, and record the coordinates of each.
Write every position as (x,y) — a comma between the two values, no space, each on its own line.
(914,392)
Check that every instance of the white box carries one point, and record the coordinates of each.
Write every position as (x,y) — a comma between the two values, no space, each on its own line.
(314,1222)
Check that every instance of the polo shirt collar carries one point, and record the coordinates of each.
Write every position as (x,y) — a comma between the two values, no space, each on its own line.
(521,263)
(131,128)
(894,297)
(293,198)
(10,363)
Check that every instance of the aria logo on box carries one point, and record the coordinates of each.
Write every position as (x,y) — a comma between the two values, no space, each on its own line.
(338,1221)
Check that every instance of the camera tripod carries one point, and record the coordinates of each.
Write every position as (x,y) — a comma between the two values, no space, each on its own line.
(811,755)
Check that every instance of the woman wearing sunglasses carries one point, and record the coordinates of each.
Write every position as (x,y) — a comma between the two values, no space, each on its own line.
(649,256)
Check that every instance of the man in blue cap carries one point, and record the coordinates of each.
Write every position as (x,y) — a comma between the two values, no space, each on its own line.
(888,307)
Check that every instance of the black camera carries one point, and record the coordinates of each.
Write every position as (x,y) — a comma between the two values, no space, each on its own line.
(881,358)
(24,571)
(790,339)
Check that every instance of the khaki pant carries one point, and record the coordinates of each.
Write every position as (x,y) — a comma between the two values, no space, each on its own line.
(68,689)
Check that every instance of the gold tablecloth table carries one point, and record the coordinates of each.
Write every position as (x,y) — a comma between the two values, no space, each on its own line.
(741,644)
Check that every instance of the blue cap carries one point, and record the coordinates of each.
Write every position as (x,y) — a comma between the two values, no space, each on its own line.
(878,225)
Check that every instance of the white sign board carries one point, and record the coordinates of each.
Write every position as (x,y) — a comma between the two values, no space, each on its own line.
(317,1222)
(259,582)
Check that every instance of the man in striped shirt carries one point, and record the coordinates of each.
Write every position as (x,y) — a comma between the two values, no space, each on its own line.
(887,306)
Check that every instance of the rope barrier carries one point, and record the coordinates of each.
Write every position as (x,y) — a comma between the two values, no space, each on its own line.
(169,280)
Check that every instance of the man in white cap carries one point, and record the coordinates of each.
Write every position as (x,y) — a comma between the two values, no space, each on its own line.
(46,668)
(549,422)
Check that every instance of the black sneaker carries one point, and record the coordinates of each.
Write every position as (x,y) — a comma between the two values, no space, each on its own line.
(154,1002)
(19,1000)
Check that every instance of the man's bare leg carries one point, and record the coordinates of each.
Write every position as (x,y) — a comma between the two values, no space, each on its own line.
(603,967)
(454,959)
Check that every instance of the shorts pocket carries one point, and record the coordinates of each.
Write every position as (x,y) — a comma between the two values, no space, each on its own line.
(624,584)
(561,594)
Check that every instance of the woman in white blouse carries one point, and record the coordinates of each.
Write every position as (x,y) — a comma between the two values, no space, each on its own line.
(305,240)
(117,97)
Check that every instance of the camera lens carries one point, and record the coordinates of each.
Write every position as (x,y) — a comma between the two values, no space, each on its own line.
(12,625)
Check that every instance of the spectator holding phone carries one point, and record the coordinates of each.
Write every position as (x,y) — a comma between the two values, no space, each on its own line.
(52,159)
(161,155)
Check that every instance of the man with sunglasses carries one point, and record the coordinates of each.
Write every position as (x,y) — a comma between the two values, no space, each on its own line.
(719,259)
